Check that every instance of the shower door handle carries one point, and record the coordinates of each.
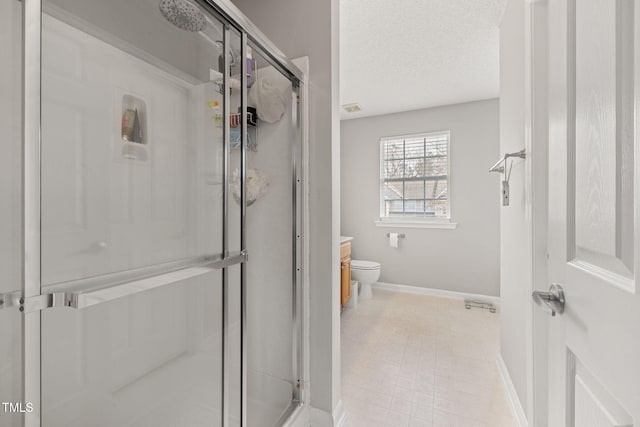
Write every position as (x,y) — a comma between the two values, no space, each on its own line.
(96,290)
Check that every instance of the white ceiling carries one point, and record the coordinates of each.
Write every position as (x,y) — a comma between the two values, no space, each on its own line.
(400,55)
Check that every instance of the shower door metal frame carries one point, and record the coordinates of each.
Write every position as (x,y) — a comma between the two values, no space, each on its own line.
(226,102)
(243,231)
(31,203)
(250,34)
(299,192)
(31,290)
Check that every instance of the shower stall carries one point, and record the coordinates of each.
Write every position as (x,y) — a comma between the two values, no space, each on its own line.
(152,217)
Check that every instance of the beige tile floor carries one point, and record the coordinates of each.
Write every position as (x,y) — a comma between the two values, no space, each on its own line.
(414,360)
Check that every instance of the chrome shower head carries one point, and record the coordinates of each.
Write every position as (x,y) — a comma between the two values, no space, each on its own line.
(183,14)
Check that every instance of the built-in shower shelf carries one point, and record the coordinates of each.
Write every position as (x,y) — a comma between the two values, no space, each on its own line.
(134,138)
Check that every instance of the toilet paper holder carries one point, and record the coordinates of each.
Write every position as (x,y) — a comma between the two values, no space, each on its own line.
(400,236)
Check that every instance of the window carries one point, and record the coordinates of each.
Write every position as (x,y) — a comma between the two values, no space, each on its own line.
(414,178)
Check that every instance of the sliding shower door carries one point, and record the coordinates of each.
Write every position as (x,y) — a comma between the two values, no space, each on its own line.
(273,232)
(133,214)
(151,149)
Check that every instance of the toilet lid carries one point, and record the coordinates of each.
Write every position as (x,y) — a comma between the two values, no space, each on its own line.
(364,265)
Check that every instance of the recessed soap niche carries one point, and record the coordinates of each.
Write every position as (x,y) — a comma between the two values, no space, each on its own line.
(133,143)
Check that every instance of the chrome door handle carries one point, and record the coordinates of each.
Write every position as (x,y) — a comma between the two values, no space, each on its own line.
(552,301)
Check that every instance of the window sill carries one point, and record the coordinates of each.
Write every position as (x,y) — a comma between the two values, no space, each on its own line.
(417,224)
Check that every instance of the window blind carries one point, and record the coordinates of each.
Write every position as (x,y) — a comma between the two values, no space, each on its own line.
(415,176)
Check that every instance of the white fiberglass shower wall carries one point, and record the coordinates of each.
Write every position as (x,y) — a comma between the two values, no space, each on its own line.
(152,161)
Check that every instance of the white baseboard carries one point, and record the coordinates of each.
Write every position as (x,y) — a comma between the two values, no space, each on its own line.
(514,401)
(433,292)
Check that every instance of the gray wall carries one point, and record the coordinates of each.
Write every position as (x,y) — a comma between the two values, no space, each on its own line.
(463,260)
(310,28)
(515,257)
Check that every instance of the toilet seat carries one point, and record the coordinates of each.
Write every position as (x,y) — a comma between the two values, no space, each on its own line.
(364,265)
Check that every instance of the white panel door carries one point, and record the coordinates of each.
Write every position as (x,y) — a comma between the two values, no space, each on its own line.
(594,244)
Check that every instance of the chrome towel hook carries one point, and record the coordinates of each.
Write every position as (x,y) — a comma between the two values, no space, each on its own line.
(501,167)
(500,164)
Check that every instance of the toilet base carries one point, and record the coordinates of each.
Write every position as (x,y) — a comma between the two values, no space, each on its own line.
(353,301)
(365,291)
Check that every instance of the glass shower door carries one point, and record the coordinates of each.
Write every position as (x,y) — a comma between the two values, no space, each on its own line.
(273,219)
(159,146)
(132,217)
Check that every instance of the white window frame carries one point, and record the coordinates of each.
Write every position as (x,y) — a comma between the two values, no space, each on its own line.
(415,221)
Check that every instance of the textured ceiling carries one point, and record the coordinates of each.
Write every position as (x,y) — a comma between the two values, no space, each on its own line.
(400,55)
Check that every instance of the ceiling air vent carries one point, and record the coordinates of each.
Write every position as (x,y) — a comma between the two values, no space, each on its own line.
(352,108)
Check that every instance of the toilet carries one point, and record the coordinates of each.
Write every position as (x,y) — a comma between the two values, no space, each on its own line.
(367,273)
